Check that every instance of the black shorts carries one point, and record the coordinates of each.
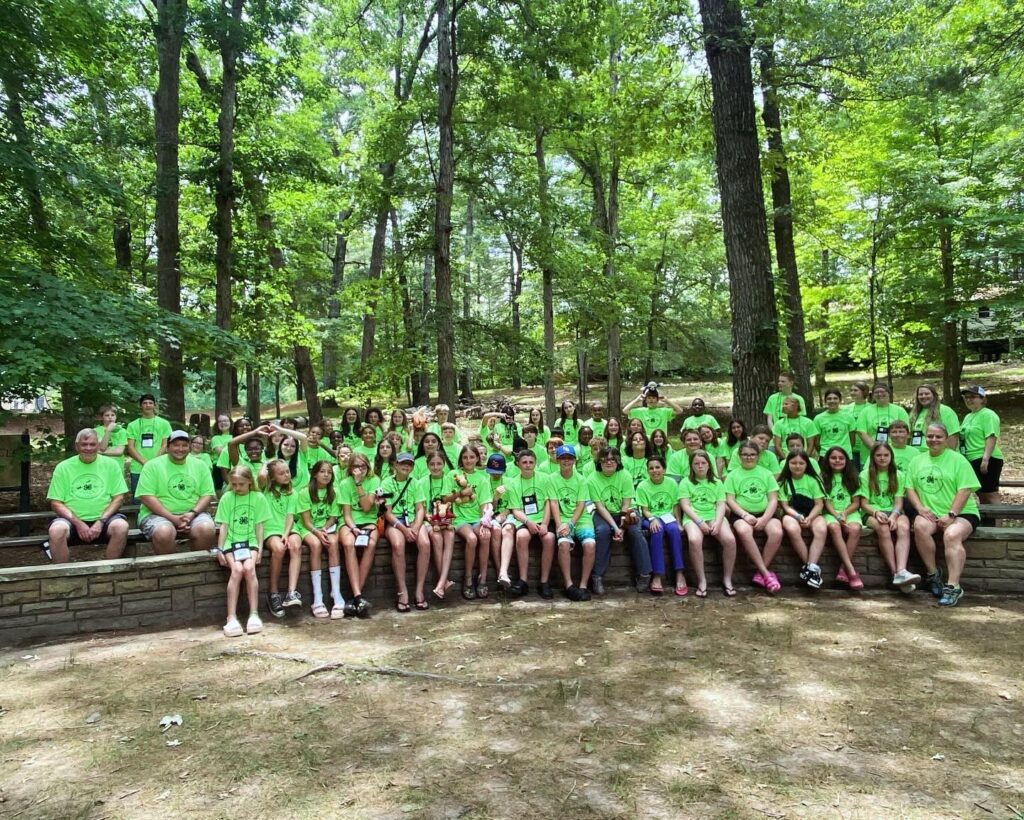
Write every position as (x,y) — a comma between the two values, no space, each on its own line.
(973,520)
(910,511)
(75,541)
(990,480)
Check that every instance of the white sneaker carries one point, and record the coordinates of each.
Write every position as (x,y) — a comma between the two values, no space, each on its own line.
(906,581)
(233,629)
(254,624)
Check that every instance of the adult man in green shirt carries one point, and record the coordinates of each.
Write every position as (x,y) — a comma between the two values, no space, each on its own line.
(175,492)
(147,437)
(86,492)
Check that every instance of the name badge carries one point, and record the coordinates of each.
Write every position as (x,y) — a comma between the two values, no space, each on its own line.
(241,551)
(147,440)
(915,440)
(530,504)
(882,434)
(363,539)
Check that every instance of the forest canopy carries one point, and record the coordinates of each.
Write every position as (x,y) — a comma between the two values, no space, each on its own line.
(221,198)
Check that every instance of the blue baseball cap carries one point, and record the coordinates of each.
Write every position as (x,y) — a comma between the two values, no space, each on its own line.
(565,450)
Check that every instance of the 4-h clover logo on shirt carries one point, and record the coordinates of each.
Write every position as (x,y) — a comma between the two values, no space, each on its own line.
(243,520)
(931,479)
(86,486)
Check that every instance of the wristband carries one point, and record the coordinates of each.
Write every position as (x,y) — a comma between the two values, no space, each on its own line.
(700,521)
(192,512)
(953,514)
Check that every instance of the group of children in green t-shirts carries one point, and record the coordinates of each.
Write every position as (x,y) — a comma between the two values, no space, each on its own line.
(590,482)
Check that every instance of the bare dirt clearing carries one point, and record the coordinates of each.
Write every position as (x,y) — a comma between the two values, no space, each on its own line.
(629,707)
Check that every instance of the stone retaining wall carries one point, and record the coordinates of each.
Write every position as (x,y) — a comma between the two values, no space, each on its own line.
(172,590)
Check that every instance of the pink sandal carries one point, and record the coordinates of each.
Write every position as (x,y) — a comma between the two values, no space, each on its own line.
(856,583)
(772,583)
(682,591)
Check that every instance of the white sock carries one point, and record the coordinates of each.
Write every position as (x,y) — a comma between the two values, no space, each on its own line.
(335,573)
(318,592)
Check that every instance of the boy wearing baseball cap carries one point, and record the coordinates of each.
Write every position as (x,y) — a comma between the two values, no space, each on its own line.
(571,523)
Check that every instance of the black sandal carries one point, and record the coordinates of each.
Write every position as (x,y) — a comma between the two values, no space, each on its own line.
(402,606)
(422,605)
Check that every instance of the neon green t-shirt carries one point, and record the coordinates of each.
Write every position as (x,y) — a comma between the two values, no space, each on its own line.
(833,430)
(434,489)
(653,418)
(597,426)
(468,511)
(218,443)
(635,468)
(241,514)
(87,489)
(319,511)
(840,496)
(805,485)
(570,430)
(773,407)
(405,495)
(693,422)
(567,493)
(938,480)
(704,496)
(751,487)
(885,499)
(875,420)
(499,503)
(767,459)
(976,428)
(529,495)
(280,506)
(177,486)
(204,459)
(947,417)
(348,496)
(801,424)
(611,490)
(903,456)
(118,438)
(660,499)
(149,436)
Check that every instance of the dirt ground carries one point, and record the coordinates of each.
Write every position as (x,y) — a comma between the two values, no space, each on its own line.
(750,707)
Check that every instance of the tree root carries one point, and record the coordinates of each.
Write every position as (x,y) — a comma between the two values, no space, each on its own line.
(389,671)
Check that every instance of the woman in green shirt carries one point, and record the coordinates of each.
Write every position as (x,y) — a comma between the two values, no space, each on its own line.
(980,436)
(928,409)
(439,491)
(842,511)
(536,418)
(702,500)
(384,460)
(197,451)
(613,434)
(881,501)
(941,485)
(802,499)
(875,419)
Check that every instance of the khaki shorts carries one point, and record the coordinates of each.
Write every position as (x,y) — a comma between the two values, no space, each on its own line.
(151,522)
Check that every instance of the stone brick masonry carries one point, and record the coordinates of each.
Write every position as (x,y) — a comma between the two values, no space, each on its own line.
(50,601)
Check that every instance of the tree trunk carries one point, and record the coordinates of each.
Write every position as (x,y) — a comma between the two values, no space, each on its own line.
(782,223)
(950,342)
(169,31)
(515,290)
(307,383)
(547,276)
(253,407)
(447,62)
(380,232)
(408,320)
(422,396)
(330,351)
(466,373)
(755,343)
(224,197)
(652,319)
